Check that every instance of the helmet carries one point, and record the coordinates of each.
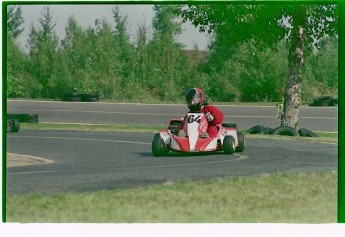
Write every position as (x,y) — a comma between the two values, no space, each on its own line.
(195,98)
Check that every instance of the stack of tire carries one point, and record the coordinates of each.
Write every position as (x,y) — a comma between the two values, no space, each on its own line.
(14,120)
(281,130)
(24,118)
(76,97)
(325,101)
(13,125)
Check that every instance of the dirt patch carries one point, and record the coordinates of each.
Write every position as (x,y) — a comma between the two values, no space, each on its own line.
(15,160)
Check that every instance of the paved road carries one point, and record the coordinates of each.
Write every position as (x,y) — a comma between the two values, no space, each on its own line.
(89,161)
(313,118)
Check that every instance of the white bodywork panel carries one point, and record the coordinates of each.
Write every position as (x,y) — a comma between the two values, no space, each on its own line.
(174,144)
(212,145)
(165,136)
(193,133)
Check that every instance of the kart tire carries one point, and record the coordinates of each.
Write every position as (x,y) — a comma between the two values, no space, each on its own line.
(158,146)
(303,132)
(333,102)
(257,129)
(323,101)
(90,97)
(241,143)
(285,131)
(229,145)
(73,97)
(269,130)
(13,125)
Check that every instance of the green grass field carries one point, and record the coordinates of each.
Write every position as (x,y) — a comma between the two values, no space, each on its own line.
(278,198)
(268,198)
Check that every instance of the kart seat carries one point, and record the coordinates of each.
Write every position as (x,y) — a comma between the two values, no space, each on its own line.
(181,133)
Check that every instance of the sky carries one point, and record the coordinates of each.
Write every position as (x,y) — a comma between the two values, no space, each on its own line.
(86,15)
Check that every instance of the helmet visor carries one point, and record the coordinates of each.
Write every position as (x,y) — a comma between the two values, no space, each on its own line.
(193,102)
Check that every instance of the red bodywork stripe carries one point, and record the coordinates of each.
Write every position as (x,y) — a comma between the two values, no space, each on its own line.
(201,144)
(182,142)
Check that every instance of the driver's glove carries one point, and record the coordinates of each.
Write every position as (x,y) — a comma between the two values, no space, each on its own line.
(209,117)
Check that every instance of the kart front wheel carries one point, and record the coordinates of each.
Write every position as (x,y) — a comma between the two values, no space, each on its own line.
(158,146)
(229,145)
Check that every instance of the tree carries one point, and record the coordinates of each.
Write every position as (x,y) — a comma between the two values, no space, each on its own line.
(321,71)
(77,50)
(19,83)
(14,21)
(166,61)
(104,61)
(43,43)
(142,55)
(126,49)
(302,26)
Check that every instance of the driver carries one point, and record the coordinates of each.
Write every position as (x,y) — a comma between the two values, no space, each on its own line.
(196,102)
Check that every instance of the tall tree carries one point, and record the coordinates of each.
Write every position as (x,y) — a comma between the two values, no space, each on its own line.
(77,51)
(106,66)
(165,54)
(19,83)
(43,43)
(300,25)
(126,49)
(142,60)
(14,21)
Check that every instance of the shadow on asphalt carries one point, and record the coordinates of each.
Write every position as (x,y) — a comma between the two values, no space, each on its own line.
(180,154)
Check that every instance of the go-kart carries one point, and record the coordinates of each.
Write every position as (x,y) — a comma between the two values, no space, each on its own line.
(190,135)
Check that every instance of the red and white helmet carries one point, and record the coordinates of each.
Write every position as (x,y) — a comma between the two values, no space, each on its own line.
(195,99)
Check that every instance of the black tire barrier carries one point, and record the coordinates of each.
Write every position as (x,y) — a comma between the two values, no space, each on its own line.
(24,118)
(90,97)
(334,102)
(285,131)
(76,97)
(303,132)
(324,101)
(257,129)
(13,125)
(269,130)
(73,97)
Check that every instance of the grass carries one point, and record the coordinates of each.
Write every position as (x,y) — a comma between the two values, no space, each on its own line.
(277,198)
(89,127)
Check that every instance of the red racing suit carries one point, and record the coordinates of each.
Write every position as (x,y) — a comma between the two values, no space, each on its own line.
(218,119)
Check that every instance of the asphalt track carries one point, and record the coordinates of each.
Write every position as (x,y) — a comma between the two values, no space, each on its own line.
(312,118)
(74,161)
(90,161)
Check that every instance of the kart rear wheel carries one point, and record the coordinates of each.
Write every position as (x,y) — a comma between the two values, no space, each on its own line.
(158,146)
(229,144)
(240,146)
